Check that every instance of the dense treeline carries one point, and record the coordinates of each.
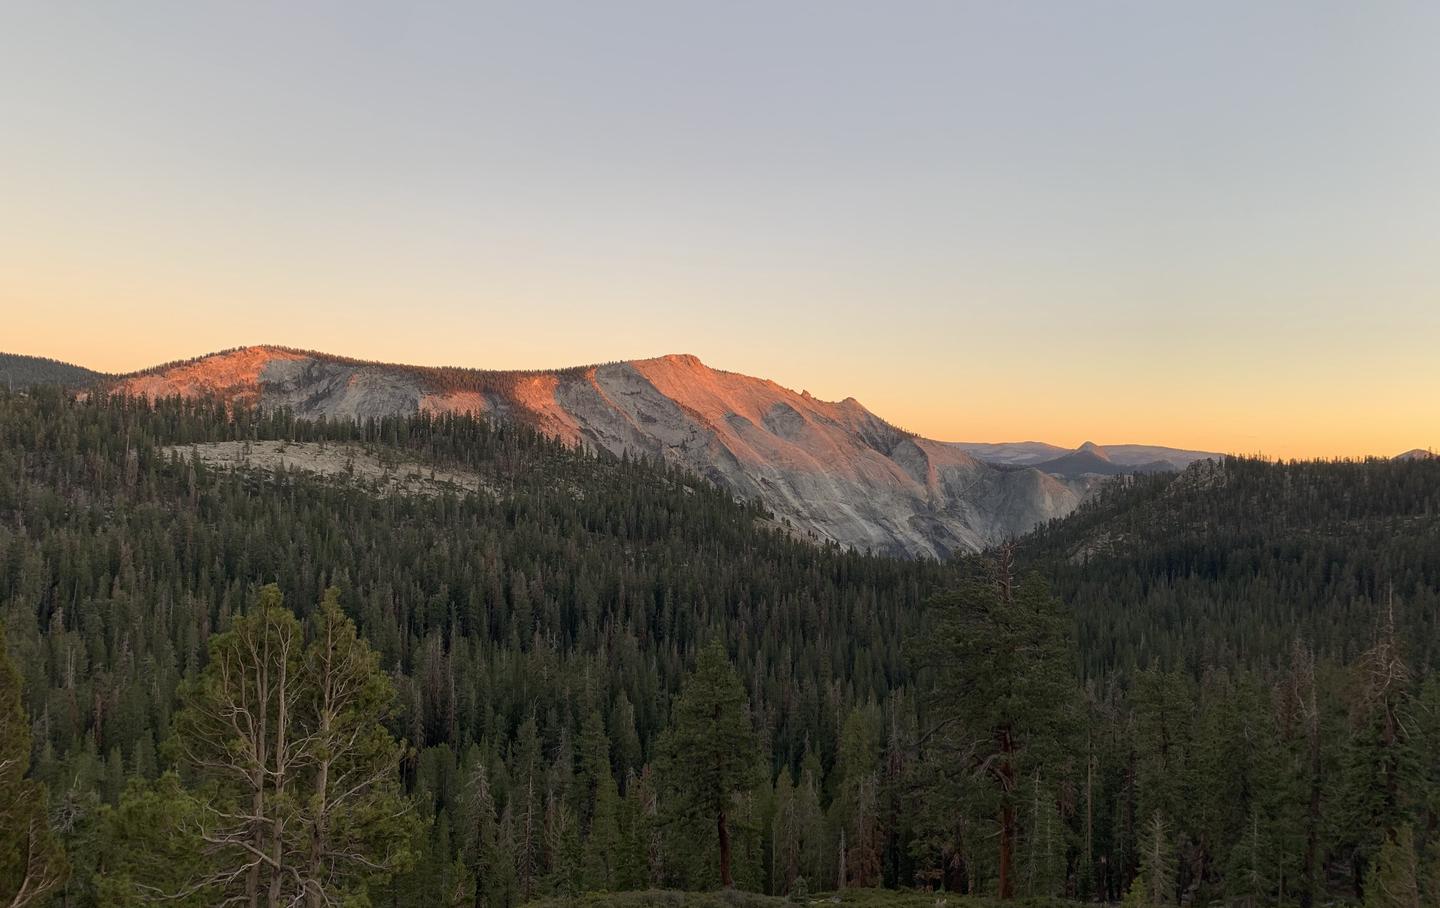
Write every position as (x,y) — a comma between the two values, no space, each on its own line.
(19,371)
(607,675)
(1228,562)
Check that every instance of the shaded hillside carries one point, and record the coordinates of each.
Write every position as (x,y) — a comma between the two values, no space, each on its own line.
(1229,561)
(19,371)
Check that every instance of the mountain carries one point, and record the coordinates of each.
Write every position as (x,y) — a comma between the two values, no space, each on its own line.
(18,371)
(832,469)
(1417,454)
(1138,458)
(1092,460)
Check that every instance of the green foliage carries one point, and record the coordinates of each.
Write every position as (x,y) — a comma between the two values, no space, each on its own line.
(32,863)
(1002,695)
(1394,879)
(301,779)
(1154,886)
(147,850)
(1228,562)
(709,754)
(537,627)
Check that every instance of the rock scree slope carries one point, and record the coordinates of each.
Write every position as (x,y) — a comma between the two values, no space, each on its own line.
(833,469)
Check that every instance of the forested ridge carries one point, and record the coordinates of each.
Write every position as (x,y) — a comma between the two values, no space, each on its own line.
(1230,561)
(20,371)
(591,674)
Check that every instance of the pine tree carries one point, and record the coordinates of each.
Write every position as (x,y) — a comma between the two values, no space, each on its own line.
(1430,874)
(999,662)
(710,750)
(1394,877)
(562,847)
(307,801)
(602,851)
(1045,845)
(527,809)
(1164,705)
(1154,887)
(810,819)
(856,806)
(483,860)
(1248,881)
(1383,772)
(646,832)
(147,848)
(355,822)
(625,741)
(32,863)
(785,836)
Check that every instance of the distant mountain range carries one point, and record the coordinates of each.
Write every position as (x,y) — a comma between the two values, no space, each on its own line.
(833,470)
(1089,458)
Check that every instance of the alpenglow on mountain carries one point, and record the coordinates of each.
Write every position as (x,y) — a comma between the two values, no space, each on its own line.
(833,470)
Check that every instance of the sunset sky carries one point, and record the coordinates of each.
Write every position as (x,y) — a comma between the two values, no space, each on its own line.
(1211,225)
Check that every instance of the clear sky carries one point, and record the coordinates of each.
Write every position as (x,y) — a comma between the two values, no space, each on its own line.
(1206,224)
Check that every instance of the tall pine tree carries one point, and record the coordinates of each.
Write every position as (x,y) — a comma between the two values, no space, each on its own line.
(710,751)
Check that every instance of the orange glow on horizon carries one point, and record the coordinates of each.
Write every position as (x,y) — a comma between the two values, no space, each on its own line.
(944,400)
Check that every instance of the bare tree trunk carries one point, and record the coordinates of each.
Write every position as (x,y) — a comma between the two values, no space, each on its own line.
(262,691)
(313,893)
(1007,851)
(282,761)
(1090,810)
(1006,777)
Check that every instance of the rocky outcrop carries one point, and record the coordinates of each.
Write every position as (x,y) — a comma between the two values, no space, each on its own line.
(833,469)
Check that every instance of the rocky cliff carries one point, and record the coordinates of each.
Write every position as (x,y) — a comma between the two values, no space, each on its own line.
(833,469)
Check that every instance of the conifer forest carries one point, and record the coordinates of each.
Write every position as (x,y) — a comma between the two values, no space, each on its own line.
(548,675)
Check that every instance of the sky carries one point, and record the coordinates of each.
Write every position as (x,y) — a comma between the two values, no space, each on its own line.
(1210,225)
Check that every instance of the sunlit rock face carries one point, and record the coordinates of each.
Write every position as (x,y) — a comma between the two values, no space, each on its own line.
(833,469)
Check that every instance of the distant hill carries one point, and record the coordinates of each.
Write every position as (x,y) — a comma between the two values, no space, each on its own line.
(1417,454)
(1117,459)
(20,371)
(1092,460)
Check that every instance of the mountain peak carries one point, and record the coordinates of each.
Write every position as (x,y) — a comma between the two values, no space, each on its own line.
(1092,448)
